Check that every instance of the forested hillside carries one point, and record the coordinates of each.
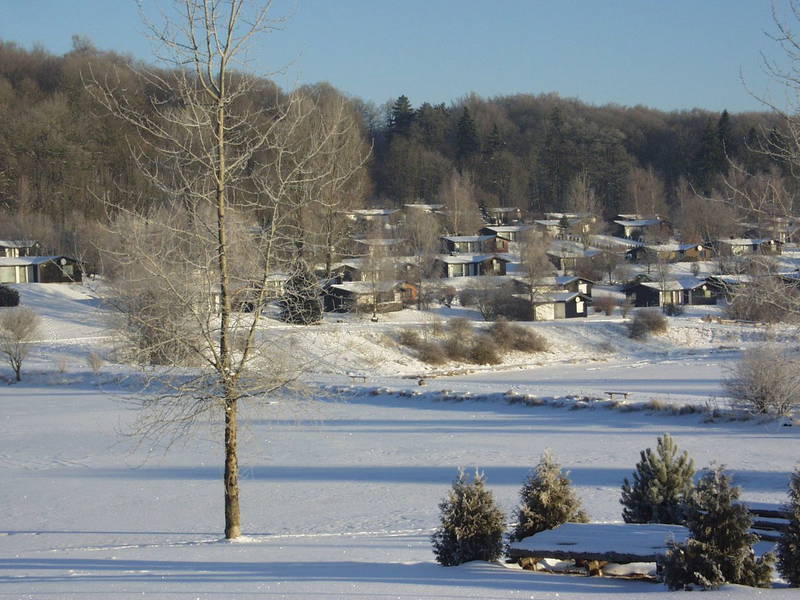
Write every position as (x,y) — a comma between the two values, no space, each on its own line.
(60,152)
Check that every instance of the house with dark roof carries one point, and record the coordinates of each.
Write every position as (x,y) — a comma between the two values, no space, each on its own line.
(40,269)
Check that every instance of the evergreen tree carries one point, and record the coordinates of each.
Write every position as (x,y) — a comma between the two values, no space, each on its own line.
(726,143)
(662,483)
(401,117)
(301,296)
(471,524)
(548,500)
(789,543)
(468,144)
(720,549)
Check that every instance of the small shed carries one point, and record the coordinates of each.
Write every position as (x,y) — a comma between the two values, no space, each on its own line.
(471,265)
(40,269)
(18,248)
(363,296)
(468,243)
(509,233)
(747,246)
(560,305)
(680,291)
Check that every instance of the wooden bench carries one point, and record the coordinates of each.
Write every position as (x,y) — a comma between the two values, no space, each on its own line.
(357,376)
(600,543)
(623,395)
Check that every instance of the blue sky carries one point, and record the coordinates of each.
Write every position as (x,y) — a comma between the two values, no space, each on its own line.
(668,54)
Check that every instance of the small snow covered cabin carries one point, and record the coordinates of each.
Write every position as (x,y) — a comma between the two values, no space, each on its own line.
(40,269)
(467,244)
(507,233)
(679,291)
(560,305)
(18,248)
(471,265)
(362,296)
(504,215)
(747,246)
(669,252)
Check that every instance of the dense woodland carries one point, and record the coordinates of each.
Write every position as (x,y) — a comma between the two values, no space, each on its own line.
(62,155)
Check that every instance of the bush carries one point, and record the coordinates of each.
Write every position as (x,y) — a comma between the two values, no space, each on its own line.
(605,304)
(457,348)
(8,296)
(720,549)
(548,500)
(789,542)
(471,524)
(511,307)
(301,302)
(460,327)
(661,486)
(467,297)
(646,322)
(674,310)
(766,381)
(516,337)
(431,353)
(410,338)
(484,351)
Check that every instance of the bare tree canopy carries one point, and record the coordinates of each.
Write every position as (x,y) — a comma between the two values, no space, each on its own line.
(19,328)
(236,165)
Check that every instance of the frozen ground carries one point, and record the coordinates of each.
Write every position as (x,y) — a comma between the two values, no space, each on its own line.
(340,493)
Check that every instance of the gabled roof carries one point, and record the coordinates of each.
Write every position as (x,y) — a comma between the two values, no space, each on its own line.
(375,212)
(675,285)
(17,243)
(379,241)
(638,222)
(24,261)
(365,287)
(557,297)
(464,259)
(467,238)
(748,241)
(508,228)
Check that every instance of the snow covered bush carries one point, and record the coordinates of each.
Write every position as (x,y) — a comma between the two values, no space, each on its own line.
(516,337)
(409,338)
(8,296)
(301,297)
(548,500)
(431,353)
(789,543)
(646,322)
(471,524)
(661,486)
(720,549)
(19,327)
(460,327)
(766,380)
(484,351)
(604,304)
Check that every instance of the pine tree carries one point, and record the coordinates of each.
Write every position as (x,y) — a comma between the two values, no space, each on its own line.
(467,142)
(720,549)
(661,485)
(301,300)
(789,543)
(548,500)
(401,117)
(471,524)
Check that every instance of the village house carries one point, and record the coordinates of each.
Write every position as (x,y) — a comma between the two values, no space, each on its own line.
(474,244)
(40,269)
(18,248)
(747,246)
(669,252)
(678,291)
(506,233)
(504,215)
(560,305)
(471,265)
(637,227)
(565,255)
(362,296)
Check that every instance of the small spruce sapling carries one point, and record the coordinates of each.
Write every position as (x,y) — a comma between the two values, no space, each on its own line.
(720,549)
(661,485)
(471,524)
(301,301)
(548,500)
(789,542)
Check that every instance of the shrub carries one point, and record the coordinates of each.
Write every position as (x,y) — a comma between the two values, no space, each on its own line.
(766,380)
(467,297)
(516,337)
(674,310)
(95,362)
(548,500)
(789,542)
(512,307)
(8,296)
(645,322)
(460,327)
(457,348)
(301,302)
(431,353)
(410,338)
(605,304)
(662,484)
(484,351)
(720,549)
(471,524)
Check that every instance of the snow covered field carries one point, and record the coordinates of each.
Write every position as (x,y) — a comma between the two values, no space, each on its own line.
(340,493)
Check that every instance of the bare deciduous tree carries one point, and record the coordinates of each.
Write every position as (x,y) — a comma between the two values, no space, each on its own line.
(459,196)
(233,163)
(646,194)
(534,262)
(422,231)
(19,328)
(766,380)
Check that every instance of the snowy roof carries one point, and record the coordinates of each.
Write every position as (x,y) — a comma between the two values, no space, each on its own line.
(637,222)
(677,284)
(365,287)
(733,279)
(644,540)
(24,261)
(547,222)
(671,247)
(610,240)
(463,259)
(748,241)
(508,228)
(467,238)
(503,209)
(375,212)
(554,297)
(18,243)
(428,207)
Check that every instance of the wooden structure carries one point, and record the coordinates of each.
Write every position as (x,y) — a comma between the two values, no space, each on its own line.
(605,542)
(471,265)
(40,269)
(680,291)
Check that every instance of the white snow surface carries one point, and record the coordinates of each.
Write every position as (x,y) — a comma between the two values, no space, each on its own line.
(340,492)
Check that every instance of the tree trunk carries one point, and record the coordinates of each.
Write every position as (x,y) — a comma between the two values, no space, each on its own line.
(233,528)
